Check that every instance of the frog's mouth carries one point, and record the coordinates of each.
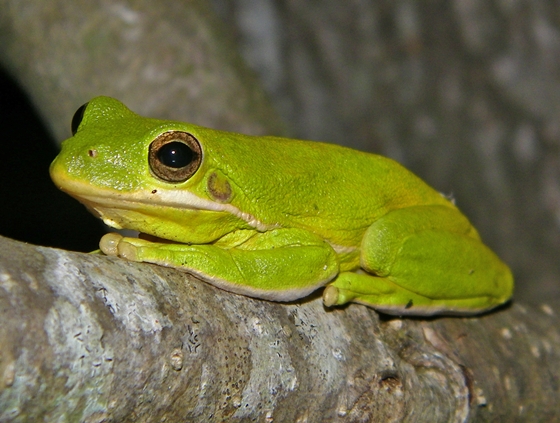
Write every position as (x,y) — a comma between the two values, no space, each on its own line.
(111,205)
(117,210)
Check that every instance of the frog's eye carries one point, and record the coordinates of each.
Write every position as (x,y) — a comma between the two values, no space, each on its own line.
(175,156)
(77,118)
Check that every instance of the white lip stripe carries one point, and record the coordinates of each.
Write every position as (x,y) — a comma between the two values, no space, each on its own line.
(184,199)
(99,199)
(177,199)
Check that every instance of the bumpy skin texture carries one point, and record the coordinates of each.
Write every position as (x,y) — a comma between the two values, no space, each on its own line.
(277,218)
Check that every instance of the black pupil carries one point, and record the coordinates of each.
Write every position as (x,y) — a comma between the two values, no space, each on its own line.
(175,154)
(77,118)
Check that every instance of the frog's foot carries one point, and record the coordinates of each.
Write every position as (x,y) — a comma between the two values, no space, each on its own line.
(377,292)
(108,244)
(114,244)
(386,296)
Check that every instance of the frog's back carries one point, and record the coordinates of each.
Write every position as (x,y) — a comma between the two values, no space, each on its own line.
(320,185)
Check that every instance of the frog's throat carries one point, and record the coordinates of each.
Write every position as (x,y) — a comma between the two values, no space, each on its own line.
(99,199)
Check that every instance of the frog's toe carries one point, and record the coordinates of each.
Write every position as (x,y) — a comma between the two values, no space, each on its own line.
(109,243)
(128,251)
(330,296)
(335,295)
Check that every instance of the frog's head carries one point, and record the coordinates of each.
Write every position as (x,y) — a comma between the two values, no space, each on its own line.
(157,177)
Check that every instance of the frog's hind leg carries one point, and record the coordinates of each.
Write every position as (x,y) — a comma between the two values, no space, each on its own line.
(377,292)
(388,297)
(423,261)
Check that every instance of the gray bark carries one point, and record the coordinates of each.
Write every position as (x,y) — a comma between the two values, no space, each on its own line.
(98,339)
(463,96)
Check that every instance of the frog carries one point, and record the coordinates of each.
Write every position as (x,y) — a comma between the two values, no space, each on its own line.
(277,218)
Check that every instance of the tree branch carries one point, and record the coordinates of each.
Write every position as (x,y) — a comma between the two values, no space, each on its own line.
(92,338)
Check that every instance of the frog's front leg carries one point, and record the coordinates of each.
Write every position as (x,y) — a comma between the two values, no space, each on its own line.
(279,265)
(424,260)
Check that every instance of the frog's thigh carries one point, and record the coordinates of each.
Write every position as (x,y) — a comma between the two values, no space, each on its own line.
(422,270)
(429,277)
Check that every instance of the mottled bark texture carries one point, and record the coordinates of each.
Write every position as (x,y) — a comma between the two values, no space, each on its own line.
(98,339)
(463,92)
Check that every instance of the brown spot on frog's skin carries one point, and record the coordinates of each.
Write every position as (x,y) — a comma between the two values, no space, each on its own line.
(219,188)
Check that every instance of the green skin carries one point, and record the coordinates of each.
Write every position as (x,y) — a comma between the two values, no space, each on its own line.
(278,218)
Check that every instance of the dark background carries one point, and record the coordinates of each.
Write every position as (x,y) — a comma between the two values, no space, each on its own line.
(33,209)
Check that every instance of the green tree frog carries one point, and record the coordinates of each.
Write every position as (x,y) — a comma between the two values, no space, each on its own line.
(276,218)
